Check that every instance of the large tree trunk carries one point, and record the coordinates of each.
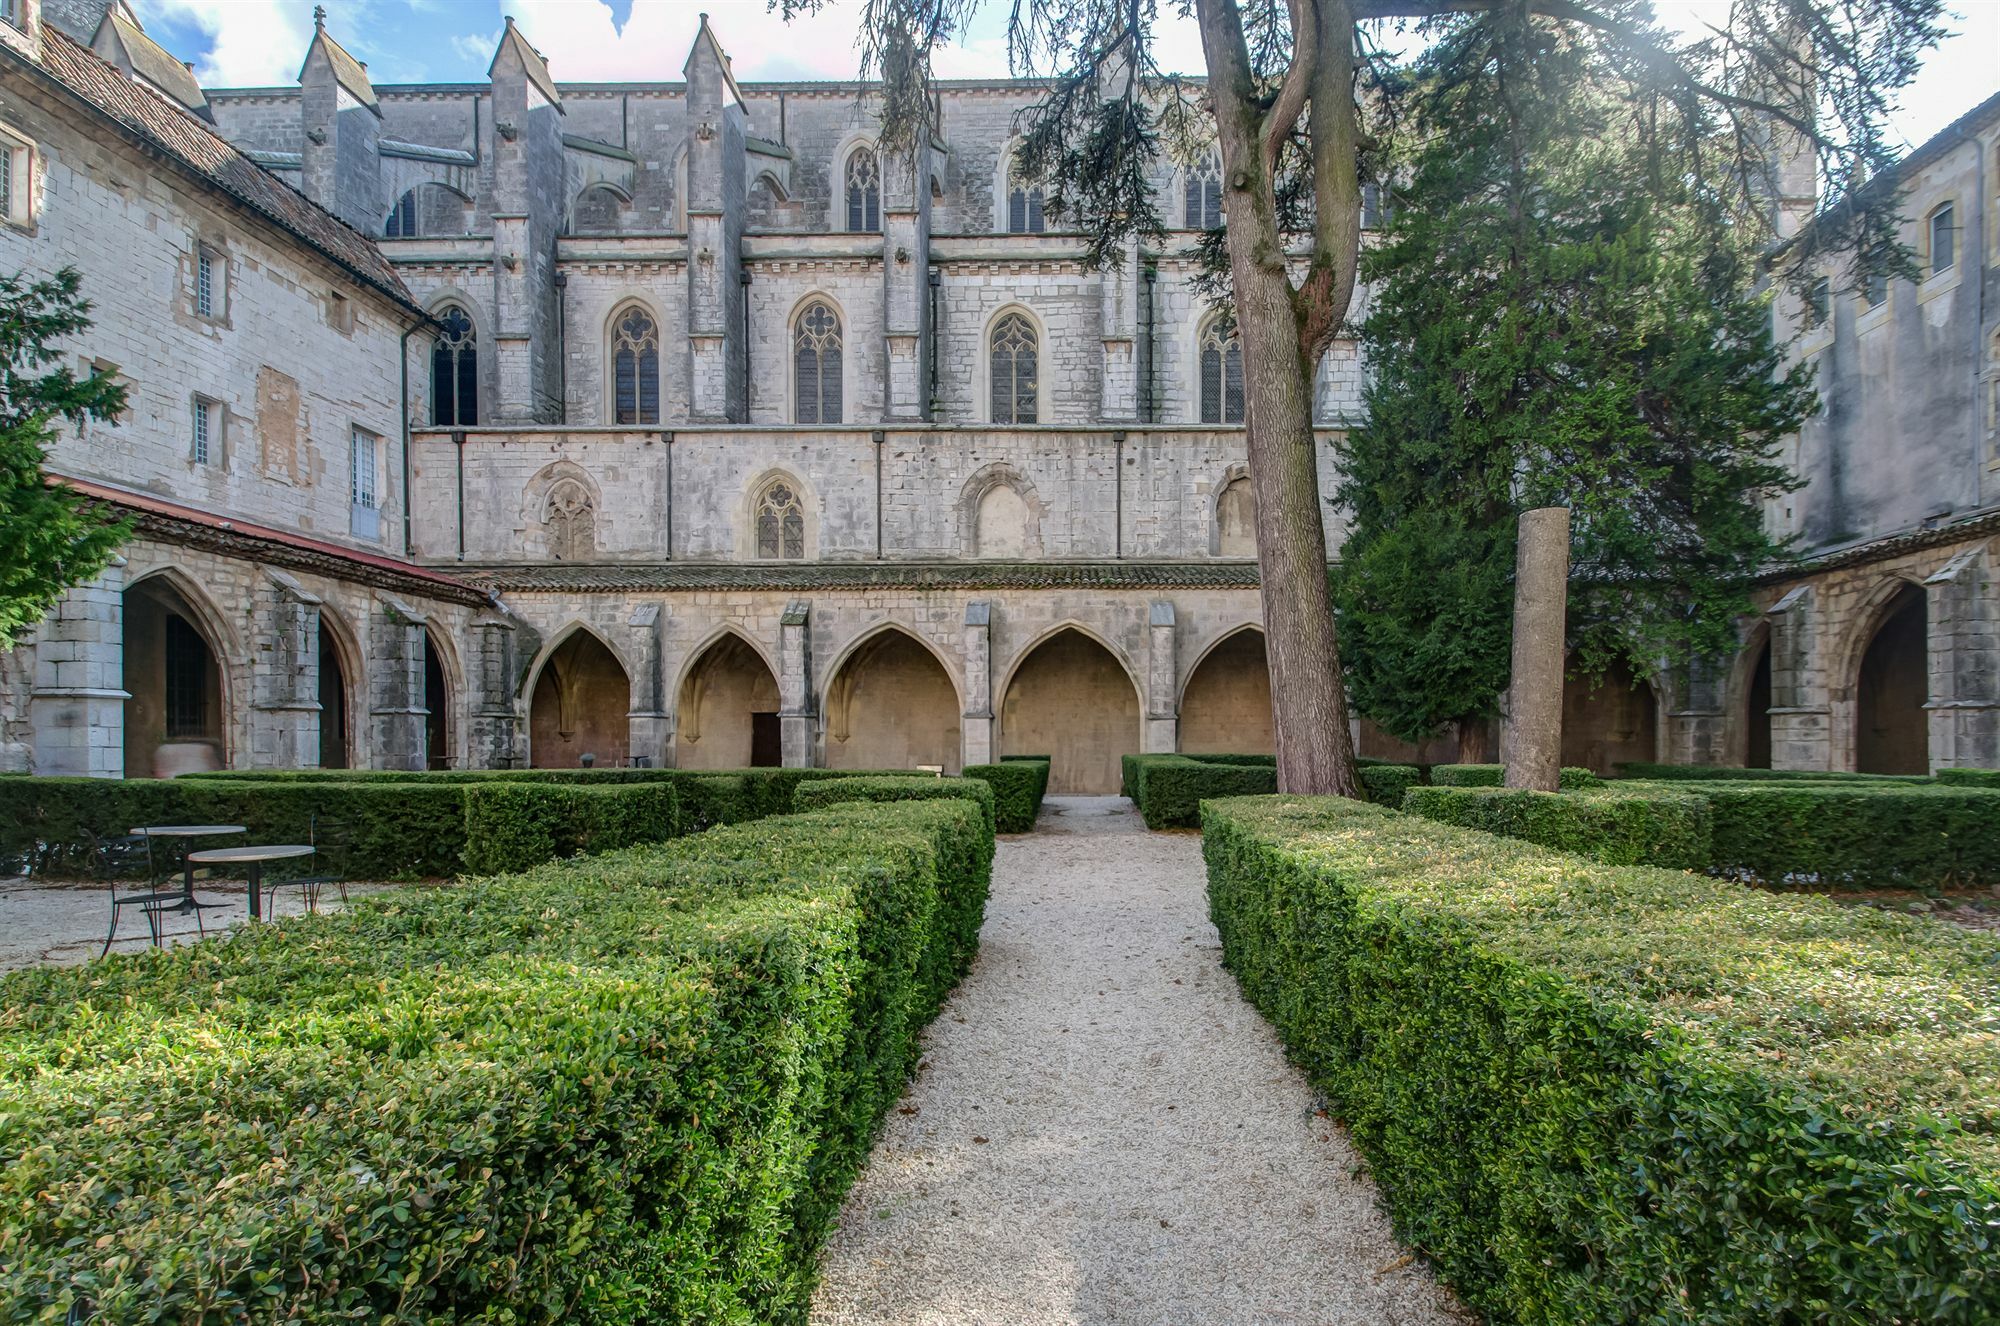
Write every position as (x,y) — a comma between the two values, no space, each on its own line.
(1283,331)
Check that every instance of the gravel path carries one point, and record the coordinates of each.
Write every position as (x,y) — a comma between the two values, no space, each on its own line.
(1104,1131)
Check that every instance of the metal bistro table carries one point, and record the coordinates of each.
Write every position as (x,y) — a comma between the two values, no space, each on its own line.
(254,858)
(188,903)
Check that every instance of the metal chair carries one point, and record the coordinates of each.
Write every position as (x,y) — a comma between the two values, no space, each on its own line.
(151,900)
(330,849)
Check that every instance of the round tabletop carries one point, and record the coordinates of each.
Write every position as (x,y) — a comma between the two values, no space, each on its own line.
(186,830)
(227,856)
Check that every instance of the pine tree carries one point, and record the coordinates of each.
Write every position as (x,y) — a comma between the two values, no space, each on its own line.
(50,536)
(1557,321)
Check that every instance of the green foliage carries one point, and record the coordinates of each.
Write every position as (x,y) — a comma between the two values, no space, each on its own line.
(883,787)
(1613,1094)
(1969,777)
(1619,828)
(1495,775)
(1705,772)
(627,1088)
(1853,835)
(1553,323)
(50,537)
(1019,783)
(1169,789)
(517,825)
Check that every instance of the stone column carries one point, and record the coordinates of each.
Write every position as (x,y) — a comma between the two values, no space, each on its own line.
(1801,729)
(1119,380)
(1541,608)
(976,725)
(650,732)
(797,722)
(906,201)
(1964,703)
(284,663)
(1162,735)
(397,710)
(77,706)
(501,647)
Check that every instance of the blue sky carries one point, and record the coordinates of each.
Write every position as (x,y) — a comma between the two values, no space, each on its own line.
(262,42)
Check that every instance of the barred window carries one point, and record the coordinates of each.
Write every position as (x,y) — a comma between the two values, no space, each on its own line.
(186,680)
(209,275)
(781,523)
(1014,366)
(864,191)
(455,370)
(207,445)
(361,476)
(1204,196)
(635,368)
(816,365)
(1221,375)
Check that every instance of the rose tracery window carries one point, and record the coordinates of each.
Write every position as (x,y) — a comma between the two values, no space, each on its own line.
(1014,367)
(1204,196)
(635,357)
(781,523)
(455,370)
(816,350)
(1221,376)
(864,191)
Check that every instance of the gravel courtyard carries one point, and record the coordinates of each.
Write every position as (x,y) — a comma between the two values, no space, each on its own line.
(1103,1131)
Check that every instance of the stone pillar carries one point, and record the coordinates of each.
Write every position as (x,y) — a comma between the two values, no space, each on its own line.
(77,706)
(1964,702)
(1801,730)
(284,678)
(1162,736)
(1119,379)
(1541,613)
(1697,714)
(397,710)
(797,722)
(976,726)
(501,650)
(529,201)
(650,733)
(340,161)
(714,205)
(906,212)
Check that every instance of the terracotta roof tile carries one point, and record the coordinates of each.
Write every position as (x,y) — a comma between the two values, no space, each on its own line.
(792,577)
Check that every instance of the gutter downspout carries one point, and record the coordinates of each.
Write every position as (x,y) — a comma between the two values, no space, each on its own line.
(936,281)
(1151,272)
(1118,510)
(879,438)
(404,412)
(667,437)
(562,338)
(1978,315)
(458,440)
(743,280)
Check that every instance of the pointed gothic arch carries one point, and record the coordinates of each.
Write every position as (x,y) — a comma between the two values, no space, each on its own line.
(1074,697)
(632,341)
(891,702)
(726,705)
(1225,701)
(580,703)
(178,652)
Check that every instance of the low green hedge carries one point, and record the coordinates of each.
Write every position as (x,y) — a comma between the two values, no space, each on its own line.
(1850,835)
(1620,828)
(1707,772)
(826,792)
(517,825)
(1969,777)
(1495,775)
(1019,783)
(1169,789)
(1601,1094)
(627,1088)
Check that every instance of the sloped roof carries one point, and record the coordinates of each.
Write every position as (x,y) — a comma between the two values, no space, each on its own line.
(797,576)
(705,35)
(169,131)
(347,71)
(151,61)
(531,59)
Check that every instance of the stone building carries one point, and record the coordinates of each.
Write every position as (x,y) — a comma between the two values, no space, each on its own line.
(532,423)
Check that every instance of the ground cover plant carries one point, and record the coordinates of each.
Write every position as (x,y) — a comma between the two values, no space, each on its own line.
(1595,1093)
(630,1087)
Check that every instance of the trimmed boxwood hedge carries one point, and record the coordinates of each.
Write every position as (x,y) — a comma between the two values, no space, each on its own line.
(627,1088)
(1705,772)
(1969,777)
(517,825)
(1601,1094)
(1495,775)
(1622,828)
(826,792)
(1169,789)
(1019,783)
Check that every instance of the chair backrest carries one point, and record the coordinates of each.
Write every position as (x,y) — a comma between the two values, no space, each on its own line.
(115,855)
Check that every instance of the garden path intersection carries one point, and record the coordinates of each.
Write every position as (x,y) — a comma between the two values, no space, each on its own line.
(1102,1130)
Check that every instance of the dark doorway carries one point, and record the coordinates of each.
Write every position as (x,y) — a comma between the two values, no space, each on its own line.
(437,706)
(1758,712)
(1892,731)
(1608,719)
(767,747)
(332,704)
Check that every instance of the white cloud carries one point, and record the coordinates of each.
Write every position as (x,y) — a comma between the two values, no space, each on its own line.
(477,48)
(252,43)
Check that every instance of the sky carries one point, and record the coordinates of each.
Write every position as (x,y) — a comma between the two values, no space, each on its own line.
(257,43)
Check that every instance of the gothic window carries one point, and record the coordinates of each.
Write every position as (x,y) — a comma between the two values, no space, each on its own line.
(635,368)
(1819,303)
(1944,240)
(402,218)
(455,370)
(1013,364)
(1236,520)
(864,191)
(1221,376)
(816,364)
(781,522)
(1204,196)
(570,515)
(1371,207)
(1025,212)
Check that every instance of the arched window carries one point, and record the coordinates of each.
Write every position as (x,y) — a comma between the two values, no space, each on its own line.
(1024,207)
(455,370)
(816,378)
(635,368)
(781,522)
(570,515)
(403,218)
(1221,375)
(1944,240)
(1204,195)
(1014,366)
(864,191)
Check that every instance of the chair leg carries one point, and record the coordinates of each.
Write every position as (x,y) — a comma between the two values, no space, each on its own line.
(110,934)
